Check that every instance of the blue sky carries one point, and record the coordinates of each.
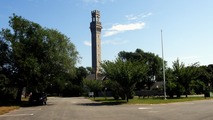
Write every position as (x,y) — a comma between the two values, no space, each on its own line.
(127,25)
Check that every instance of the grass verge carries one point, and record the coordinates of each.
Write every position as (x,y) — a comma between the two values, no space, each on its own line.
(155,100)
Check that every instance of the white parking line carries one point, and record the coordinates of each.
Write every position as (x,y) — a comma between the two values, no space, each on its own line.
(16,115)
(144,108)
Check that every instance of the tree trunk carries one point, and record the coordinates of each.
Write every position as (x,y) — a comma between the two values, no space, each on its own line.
(187,90)
(127,95)
(18,96)
(178,95)
(171,95)
(186,93)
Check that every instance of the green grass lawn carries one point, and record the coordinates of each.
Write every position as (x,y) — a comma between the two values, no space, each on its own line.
(151,100)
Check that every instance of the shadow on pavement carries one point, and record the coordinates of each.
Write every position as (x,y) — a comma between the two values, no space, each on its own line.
(101,103)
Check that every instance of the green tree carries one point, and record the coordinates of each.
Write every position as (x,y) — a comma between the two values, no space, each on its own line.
(153,62)
(81,73)
(184,77)
(90,70)
(205,77)
(125,73)
(188,76)
(171,83)
(177,72)
(209,70)
(115,89)
(74,87)
(39,55)
(5,70)
(93,86)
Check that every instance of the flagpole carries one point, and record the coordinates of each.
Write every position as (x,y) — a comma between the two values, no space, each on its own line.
(164,81)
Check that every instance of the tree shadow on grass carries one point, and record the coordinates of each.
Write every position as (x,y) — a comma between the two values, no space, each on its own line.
(103,103)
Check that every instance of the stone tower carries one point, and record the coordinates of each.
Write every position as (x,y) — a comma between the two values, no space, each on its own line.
(95,27)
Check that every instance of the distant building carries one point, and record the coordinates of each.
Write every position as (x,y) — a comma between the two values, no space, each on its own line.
(95,27)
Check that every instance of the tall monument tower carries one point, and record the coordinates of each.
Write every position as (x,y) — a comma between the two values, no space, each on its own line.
(95,27)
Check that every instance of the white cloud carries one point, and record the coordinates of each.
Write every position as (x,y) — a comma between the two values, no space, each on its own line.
(138,17)
(87,43)
(115,29)
(131,17)
(110,33)
(147,15)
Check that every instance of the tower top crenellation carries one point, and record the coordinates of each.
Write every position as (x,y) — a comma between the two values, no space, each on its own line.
(96,17)
(95,12)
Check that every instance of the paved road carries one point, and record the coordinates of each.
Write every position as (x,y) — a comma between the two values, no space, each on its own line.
(84,109)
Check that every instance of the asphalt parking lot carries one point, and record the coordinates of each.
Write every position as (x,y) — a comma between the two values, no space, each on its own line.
(79,108)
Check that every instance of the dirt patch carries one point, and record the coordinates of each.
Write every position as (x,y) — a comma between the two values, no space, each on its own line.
(6,109)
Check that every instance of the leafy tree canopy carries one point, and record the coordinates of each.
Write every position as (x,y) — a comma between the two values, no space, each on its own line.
(38,55)
(125,73)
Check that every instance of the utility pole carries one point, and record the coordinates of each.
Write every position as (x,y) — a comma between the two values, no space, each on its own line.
(164,80)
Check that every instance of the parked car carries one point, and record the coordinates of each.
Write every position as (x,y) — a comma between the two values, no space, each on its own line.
(38,99)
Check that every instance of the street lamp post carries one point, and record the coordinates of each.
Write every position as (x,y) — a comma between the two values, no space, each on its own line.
(164,81)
